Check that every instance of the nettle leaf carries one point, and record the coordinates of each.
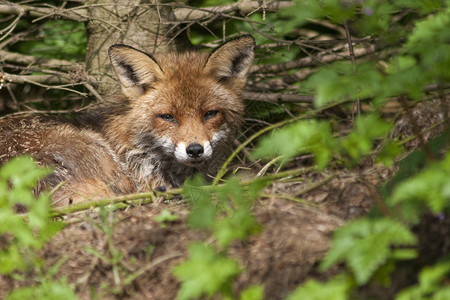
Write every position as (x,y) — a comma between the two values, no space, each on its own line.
(365,245)
(308,136)
(48,290)
(403,77)
(239,225)
(335,289)
(165,216)
(23,172)
(205,272)
(360,141)
(203,211)
(429,187)
(429,41)
(254,292)
(342,81)
(17,180)
(236,222)
(431,282)
(390,151)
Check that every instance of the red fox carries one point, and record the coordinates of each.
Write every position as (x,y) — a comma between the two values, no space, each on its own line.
(176,115)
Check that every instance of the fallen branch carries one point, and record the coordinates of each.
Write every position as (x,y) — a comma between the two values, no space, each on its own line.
(321,58)
(30,60)
(277,97)
(77,14)
(242,8)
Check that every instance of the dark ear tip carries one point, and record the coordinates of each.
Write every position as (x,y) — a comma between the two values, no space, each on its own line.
(246,36)
(119,46)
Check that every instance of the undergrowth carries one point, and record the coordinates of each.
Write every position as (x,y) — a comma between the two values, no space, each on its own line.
(368,249)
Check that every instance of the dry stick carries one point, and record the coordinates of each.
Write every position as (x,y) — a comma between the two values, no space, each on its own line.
(41,61)
(307,61)
(316,185)
(352,57)
(309,114)
(66,14)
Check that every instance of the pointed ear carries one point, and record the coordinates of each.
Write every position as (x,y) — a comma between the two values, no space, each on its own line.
(230,62)
(136,70)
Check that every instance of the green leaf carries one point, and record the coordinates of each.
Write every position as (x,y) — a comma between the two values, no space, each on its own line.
(203,211)
(205,273)
(302,137)
(337,288)
(427,188)
(255,292)
(366,245)
(47,290)
(165,216)
(360,141)
(342,81)
(430,278)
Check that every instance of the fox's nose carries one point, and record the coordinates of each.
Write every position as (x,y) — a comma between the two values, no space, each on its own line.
(194,150)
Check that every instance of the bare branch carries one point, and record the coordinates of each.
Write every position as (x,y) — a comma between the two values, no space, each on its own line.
(77,14)
(321,58)
(37,79)
(243,8)
(40,61)
(277,97)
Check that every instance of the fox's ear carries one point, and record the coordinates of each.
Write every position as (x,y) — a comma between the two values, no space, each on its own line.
(135,69)
(231,61)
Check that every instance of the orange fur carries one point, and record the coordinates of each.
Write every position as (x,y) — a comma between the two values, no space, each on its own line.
(176,115)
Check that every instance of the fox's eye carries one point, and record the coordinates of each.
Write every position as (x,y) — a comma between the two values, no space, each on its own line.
(210,114)
(167,117)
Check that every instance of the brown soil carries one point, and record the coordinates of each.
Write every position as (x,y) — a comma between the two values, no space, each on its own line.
(295,237)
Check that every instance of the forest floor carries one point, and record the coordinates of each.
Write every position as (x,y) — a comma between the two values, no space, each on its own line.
(294,238)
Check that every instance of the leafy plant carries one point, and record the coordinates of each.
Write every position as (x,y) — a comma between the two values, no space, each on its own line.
(25,234)
(366,245)
(205,273)
(224,210)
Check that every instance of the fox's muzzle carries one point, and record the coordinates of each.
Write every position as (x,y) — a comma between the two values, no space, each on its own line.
(194,150)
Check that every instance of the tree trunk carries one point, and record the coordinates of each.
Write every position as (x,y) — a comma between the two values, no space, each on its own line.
(140,24)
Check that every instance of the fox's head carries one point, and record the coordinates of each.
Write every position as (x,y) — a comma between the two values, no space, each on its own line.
(185,104)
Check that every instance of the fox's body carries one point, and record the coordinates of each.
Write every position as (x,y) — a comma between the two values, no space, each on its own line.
(176,115)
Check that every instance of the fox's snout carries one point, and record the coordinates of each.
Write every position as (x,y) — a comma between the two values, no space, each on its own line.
(194,150)
(193,153)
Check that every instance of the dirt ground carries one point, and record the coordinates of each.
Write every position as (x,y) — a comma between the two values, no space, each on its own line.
(295,237)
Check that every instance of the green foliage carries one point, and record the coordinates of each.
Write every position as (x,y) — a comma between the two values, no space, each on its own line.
(429,42)
(336,289)
(205,273)
(368,128)
(427,189)
(223,210)
(228,217)
(61,39)
(431,284)
(165,217)
(27,233)
(46,290)
(17,180)
(255,292)
(302,137)
(366,244)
